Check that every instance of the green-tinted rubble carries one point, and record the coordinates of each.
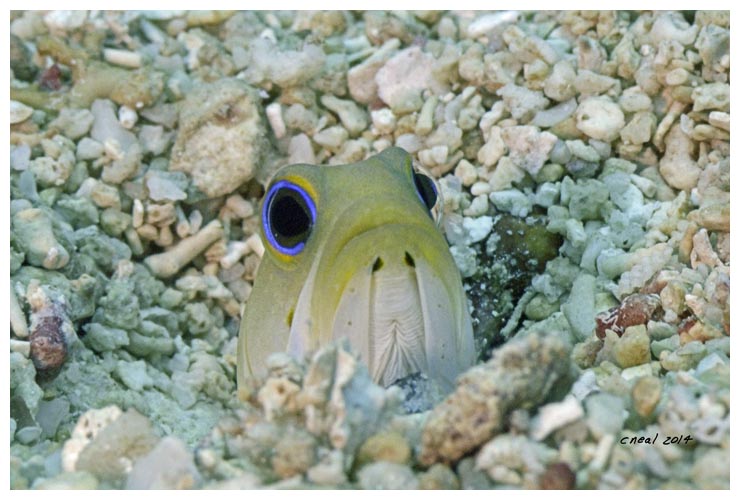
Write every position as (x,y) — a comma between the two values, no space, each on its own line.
(22,384)
(583,158)
(102,338)
(34,233)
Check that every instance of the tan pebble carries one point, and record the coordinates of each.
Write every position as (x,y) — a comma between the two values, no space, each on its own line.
(700,331)
(216,251)
(277,394)
(677,165)
(640,128)
(21,346)
(239,206)
(434,156)
(210,269)
(438,477)
(646,394)
(493,149)
(137,213)
(723,247)
(124,58)
(294,454)
(445,168)
(251,263)
(232,307)
(148,232)
(480,188)
(361,77)
(677,76)
(113,149)
(720,119)
(599,118)
(19,112)
(695,302)
(182,228)
(704,132)
(466,172)
(182,225)
(160,215)
(560,84)
(712,217)
(255,243)
(166,264)
(674,111)
(633,347)
(672,297)
(384,446)
(702,251)
(165,238)
(686,244)
(104,195)
(425,122)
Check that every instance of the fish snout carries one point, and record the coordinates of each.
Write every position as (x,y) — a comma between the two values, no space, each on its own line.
(403,318)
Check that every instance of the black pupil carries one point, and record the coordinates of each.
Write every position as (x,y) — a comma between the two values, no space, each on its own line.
(290,218)
(425,188)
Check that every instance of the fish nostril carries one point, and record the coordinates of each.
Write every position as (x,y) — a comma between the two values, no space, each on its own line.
(409,260)
(289,318)
(377,264)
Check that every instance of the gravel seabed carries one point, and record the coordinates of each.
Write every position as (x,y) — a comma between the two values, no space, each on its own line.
(584,162)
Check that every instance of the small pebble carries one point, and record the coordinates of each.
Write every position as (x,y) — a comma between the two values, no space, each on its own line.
(646,394)
(387,476)
(124,58)
(19,112)
(558,476)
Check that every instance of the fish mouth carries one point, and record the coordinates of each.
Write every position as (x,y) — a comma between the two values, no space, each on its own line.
(392,342)
(396,296)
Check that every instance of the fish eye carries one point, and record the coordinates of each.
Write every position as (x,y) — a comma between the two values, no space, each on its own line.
(288,215)
(428,192)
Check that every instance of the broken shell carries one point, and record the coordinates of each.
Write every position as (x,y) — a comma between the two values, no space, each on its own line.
(51,332)
(636,309)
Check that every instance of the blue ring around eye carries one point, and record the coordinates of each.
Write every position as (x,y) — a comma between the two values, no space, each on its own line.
(284,184)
